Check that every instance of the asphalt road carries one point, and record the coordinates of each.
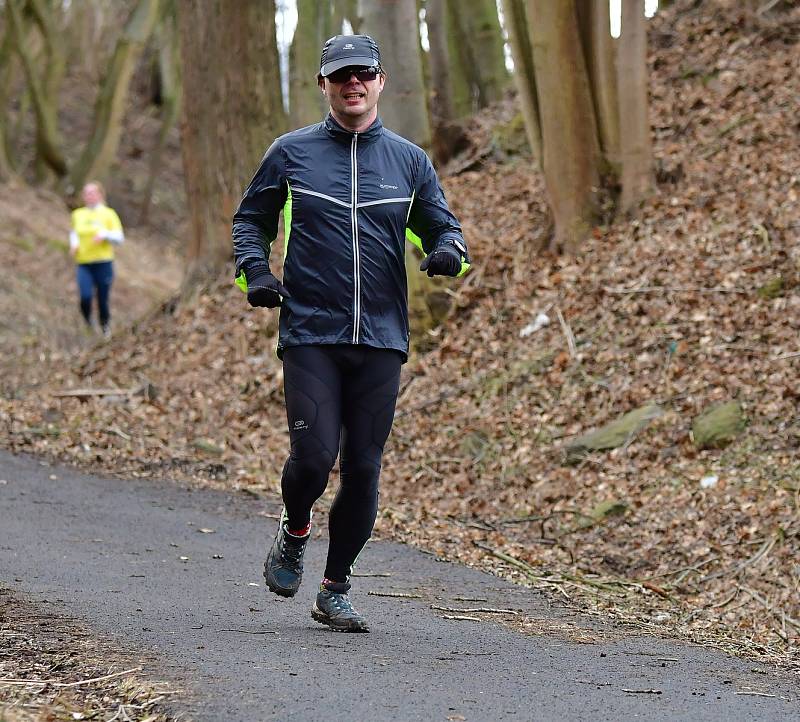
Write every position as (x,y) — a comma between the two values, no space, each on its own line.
(129,558)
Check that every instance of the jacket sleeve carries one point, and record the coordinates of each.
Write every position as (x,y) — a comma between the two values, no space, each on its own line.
(430,220)
(255,223)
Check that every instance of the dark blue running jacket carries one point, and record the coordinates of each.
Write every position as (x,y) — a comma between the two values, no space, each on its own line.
(349,200)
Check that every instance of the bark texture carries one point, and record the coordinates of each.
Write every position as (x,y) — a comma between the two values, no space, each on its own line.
(170,86)
(403,107)
(111,103)
(6,75)
(635,143)
(316,22)
(48,140)
(516,22)
(232,111)
(465,101)
(441,90)
(569,130)
(600,52)
(347,10)
(447,133)
(484,42)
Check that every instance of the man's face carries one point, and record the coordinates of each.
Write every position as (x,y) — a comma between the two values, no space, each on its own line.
(352,98)
(92,195)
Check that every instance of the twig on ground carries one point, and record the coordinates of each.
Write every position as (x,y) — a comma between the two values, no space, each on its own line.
(465,618)
(371,574)
(756,694)
(24,682)
(568,335)
(86,393)
(120,711)
(674,289)
(545,517)
(476,610)
(725,602)
(250,631)
(683,571)
(95,679)
(527,568)
(778,613)
(642,691)
(398,595)
(763,551)
(767,6)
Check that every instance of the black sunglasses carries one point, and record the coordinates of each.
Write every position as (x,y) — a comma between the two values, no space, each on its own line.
(363,74)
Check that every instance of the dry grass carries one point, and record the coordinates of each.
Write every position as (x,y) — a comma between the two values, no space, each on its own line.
(52,670)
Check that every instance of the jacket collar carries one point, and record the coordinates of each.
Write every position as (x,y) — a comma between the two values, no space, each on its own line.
(342,134)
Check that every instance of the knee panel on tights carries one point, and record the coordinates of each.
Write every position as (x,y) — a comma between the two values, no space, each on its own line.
(360,476)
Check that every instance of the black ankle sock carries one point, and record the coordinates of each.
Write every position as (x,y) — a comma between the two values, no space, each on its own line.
(337,587)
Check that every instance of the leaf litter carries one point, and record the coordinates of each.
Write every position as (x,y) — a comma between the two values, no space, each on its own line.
(668,309)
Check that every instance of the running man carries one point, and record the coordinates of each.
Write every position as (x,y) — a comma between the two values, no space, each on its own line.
(96,229)
(349,189)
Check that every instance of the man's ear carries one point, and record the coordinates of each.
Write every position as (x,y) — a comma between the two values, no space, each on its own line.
(321,84)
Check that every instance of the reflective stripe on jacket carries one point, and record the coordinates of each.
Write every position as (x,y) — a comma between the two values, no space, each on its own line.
(348,199)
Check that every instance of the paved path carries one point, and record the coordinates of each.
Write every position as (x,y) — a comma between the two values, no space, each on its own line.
(129,559)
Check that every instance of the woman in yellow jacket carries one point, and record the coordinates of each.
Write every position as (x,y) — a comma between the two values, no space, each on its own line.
(96,229)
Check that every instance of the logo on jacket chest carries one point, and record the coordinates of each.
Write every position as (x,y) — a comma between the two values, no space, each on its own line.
(387,186)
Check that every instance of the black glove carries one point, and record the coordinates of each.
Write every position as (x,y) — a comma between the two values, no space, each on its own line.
(263,289)
(445,260)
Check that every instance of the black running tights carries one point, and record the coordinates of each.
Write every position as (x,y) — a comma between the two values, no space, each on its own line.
(340,399)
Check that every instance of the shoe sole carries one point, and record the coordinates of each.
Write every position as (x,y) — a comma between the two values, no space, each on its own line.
(319,616)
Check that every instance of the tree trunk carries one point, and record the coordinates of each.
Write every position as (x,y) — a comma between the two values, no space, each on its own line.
(47,18)
(232,111)
(48,141)
(600,52)
(315,24)
(441,90)
(394,25)
(516,22)
(6,159)
(99,152)
(570,145)
(170,94)
(635,144)
(346,10)
(484,37)
(49,26)
(463,92)
(447,133)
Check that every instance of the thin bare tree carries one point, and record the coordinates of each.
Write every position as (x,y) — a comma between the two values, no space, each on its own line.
(635,144)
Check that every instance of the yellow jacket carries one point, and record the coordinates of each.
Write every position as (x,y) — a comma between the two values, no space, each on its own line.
(90,222)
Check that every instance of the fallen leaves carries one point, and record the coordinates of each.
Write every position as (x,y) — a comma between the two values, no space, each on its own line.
(663,310)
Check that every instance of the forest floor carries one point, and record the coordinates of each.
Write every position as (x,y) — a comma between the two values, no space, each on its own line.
(694,304)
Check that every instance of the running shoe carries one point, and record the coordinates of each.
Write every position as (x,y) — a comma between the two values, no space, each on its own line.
(283,569)
(336,610)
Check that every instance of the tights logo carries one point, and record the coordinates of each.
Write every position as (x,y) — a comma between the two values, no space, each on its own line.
(300,425)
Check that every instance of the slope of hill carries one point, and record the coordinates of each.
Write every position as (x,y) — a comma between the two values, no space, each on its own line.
(694,304)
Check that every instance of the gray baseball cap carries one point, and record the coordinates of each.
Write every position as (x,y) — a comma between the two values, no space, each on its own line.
(342,51)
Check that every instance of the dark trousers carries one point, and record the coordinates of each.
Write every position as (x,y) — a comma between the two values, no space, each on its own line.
(340,399)
(95,278)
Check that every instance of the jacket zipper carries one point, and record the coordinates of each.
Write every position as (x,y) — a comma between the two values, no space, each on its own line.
(356,255)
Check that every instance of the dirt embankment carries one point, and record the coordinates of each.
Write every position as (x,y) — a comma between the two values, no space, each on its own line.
(694,304)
